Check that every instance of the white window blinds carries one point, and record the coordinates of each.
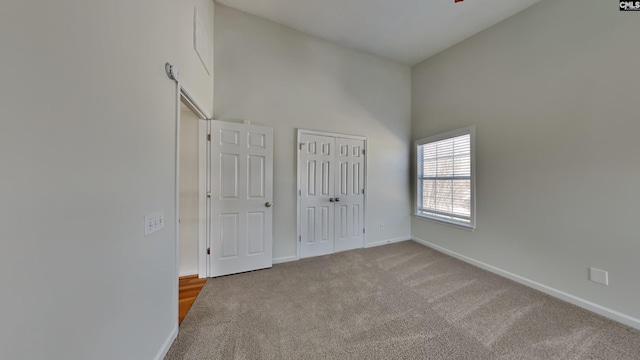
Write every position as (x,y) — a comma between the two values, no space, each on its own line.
(445,179)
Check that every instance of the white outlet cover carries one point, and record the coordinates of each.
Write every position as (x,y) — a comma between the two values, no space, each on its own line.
(599,276)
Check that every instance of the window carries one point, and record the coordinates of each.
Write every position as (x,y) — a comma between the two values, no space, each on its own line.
(446,177)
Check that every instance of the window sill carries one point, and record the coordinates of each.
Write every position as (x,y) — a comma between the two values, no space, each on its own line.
(445,222)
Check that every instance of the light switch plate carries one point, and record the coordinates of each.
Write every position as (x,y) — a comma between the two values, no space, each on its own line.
(153,222)
(599,276)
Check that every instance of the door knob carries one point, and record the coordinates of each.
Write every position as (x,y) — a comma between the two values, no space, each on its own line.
(337,199)
(332,199)
(268,204)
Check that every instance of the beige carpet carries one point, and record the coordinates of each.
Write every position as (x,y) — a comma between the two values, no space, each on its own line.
(400,301)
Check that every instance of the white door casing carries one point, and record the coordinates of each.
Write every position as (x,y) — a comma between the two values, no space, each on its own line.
(331,183)
(241,198)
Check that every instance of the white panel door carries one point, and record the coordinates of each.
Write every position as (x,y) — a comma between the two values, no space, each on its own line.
(349,197)
(317,188)
(241,195)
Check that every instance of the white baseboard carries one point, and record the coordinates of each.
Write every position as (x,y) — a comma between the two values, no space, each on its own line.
(388,241)
(167,344)
(188,273)
(585,304)
(285,259)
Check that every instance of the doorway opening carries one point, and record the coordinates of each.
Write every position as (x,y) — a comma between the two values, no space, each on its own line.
(189,218)
(191,201)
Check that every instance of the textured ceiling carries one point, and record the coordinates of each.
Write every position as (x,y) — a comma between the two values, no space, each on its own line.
(406,31)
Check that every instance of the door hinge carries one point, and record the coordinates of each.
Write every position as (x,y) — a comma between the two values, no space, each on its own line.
(208,251)
(299,192)
(208,137)
(300,238)
(301,145)
(363,230)
(209,194)
(363,151)
(363,191)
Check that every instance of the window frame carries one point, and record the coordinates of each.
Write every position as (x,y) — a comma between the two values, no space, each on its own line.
(469,130)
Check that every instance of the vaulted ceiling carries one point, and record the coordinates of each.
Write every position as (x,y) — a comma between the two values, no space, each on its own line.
(406,31)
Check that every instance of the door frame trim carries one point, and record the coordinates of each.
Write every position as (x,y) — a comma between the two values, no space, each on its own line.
(204,187)
(299,133)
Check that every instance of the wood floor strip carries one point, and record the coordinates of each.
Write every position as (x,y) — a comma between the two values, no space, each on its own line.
(188,290)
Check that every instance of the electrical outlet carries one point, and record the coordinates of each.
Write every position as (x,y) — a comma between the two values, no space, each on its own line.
(599,276)
(153,222)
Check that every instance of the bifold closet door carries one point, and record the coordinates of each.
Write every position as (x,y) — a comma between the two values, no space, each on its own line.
(331,178)
(349,197)
(317,187)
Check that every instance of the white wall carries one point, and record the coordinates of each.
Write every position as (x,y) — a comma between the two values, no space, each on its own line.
(553,93)
(189,193)
(194,77)
(275,76)
(87,147)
